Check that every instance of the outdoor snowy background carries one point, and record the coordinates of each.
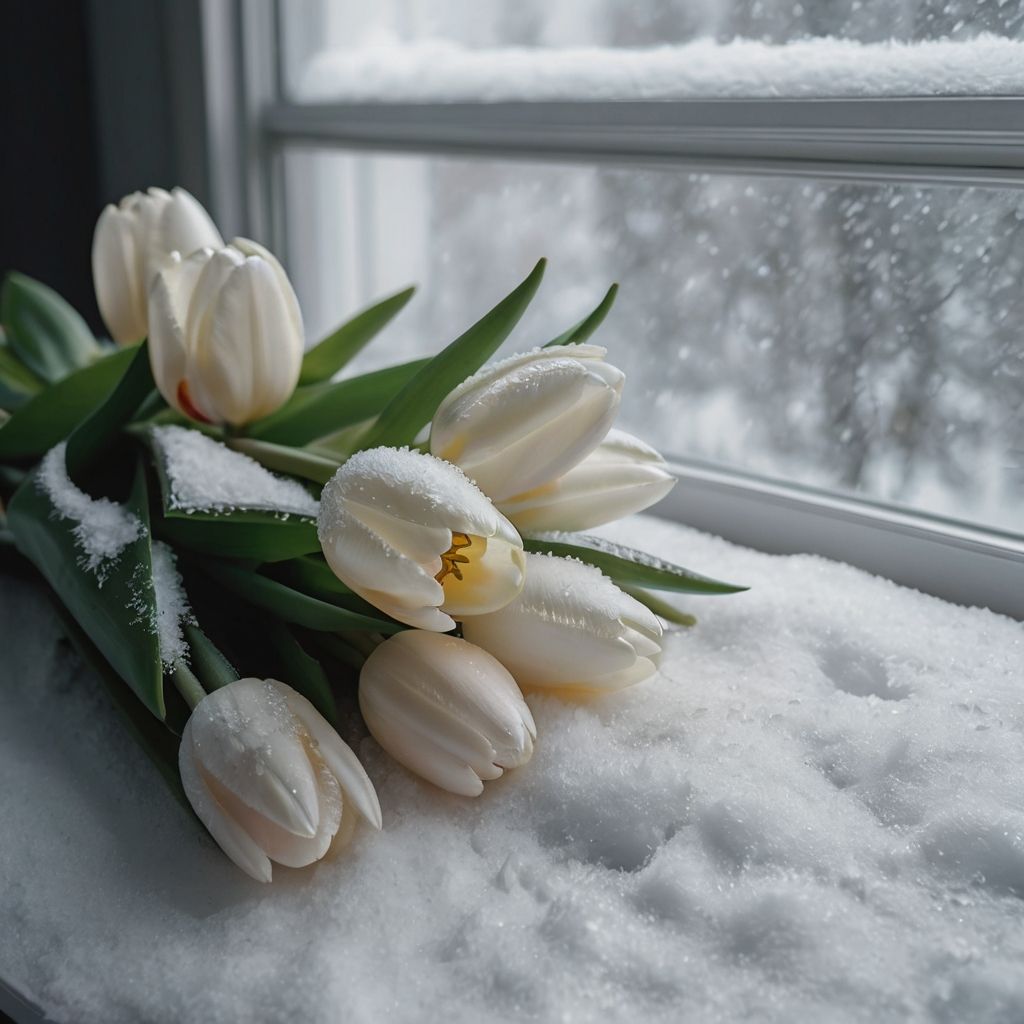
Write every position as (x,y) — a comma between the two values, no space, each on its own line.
(860,337)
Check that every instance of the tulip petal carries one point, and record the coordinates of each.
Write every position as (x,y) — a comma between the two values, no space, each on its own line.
(186,226)
(528,419)
(403,705)
(566,439)
(264,763)
(496,710)
(338,756)
(490,581)
(446,710)
(365,563)
(228,834)
(570,628)
(279,844)
(421,543)
(618,478)
(119,291)
(413,486)
(168,307)
(420,617)
(291,302)
(387,517)
(439,767)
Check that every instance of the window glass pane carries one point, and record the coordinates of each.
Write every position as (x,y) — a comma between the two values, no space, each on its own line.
(862,338)
(533,49)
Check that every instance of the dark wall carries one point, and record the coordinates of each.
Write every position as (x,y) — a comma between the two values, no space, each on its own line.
(49,163)
(98,98)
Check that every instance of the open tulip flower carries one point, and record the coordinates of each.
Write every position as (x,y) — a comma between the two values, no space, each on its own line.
(131,243)
(225,334)
(570,630)
(415,538)
(526,420)
(622,475)
(269,778)
(445,709)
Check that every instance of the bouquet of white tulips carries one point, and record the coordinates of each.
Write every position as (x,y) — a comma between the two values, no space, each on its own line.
(234,531)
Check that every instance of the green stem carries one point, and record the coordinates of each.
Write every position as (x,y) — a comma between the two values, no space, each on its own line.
(210,664)
(364,643)
(284,459)
(187,685)
(659,607)
(341,650)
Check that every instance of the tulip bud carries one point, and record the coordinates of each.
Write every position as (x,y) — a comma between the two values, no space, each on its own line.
(132,242)
(524,421)
(571,630)
(446,710)
(622,475)
(225,334)
(268,777)
(415,538)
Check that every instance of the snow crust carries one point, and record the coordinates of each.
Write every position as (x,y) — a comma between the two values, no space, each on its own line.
(814,813)
(207,476)
(172,608)
(440,70)
(103,529)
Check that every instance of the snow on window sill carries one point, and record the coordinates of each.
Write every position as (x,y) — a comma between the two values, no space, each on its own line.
(443,71)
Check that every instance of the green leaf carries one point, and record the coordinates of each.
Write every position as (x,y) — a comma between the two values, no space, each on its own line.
(586,327)
(208,663)
(290,605)
(119,612)
(17,382)
(52,414)
(328,357)
(49,337)
(94,434)
(322,409)
(286,459)
(243,533)
(412,408)
(629,567)
(300,670)
(246,533)
(661,608)
(313,576)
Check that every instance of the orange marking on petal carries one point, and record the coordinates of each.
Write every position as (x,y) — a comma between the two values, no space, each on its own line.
(187,406)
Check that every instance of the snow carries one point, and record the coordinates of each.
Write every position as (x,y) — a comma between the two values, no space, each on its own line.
(172,608)
(443,71)
(102,527)
(814,813)
(207,476)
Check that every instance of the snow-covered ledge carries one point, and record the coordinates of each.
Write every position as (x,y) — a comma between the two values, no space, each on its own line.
(813,813)
(444,71)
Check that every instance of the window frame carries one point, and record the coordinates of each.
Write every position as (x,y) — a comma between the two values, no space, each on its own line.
(960,141)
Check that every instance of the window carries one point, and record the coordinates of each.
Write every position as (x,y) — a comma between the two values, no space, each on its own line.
(818,230)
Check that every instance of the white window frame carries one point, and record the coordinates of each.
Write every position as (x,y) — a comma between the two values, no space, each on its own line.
(962,141)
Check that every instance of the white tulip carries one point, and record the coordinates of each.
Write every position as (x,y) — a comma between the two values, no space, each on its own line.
(524,421)
(571,630)
(446,710)
(132,242)
(269,778)
(415,538)
(622,475)
(225,334)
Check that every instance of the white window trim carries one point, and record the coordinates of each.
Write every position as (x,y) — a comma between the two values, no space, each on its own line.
(975,141)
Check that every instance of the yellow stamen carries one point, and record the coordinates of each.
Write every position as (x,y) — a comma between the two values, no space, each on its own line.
(451,560)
